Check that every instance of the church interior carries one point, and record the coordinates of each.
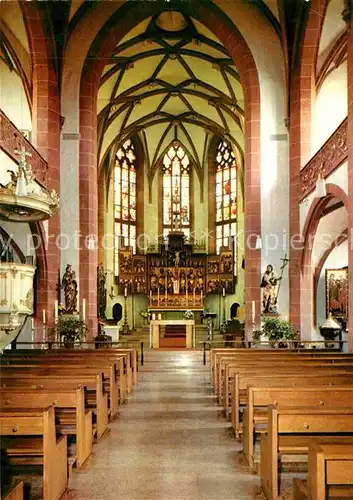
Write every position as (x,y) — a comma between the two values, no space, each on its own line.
(176,249)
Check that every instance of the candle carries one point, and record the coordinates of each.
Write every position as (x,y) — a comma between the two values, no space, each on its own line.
(83,309)
(224,292)
(56,310)
(32,323)
(125,292)
(153,317)
(44,316)
(253,311)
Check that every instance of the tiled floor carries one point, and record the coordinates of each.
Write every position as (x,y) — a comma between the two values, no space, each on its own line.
(170,441)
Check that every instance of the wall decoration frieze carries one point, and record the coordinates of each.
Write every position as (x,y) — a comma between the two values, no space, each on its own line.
(332,154)
(12,139)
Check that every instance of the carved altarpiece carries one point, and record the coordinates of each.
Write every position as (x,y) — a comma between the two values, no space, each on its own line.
(176,277)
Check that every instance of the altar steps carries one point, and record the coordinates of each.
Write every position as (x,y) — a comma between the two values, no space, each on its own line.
(143,335)
(173,336)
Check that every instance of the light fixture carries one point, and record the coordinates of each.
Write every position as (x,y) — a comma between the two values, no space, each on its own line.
(91,242)
(258,244)
(320,191)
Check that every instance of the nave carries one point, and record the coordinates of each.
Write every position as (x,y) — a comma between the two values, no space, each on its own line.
(170,442)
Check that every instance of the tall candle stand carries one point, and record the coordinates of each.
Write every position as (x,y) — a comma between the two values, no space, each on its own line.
(125,330)
(224,321)
(33,332)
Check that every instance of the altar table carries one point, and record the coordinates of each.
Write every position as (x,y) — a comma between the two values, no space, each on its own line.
(155,330)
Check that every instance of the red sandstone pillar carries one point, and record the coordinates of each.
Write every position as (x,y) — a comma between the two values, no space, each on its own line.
(46,139)
(302,98)
(350,176)
(88,186)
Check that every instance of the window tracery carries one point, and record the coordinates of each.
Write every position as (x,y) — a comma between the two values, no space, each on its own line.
(125,197)
(226,195)
(176,190)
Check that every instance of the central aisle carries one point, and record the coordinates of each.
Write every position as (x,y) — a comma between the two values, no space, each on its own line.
(170,441)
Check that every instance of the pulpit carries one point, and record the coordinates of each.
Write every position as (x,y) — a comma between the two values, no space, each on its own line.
(155,331)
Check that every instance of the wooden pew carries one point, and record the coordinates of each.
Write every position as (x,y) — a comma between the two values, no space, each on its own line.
(307,378)
(72,417)
(97,397)
(259,398)
(290,431)
(15,493)
(219,353)
(127,357)
(228,366)
(234,355)
(33,441)
(288,366)
(330,473)
(56,364)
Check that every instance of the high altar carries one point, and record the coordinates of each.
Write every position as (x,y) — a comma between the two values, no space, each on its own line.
(175,277)
(155,331)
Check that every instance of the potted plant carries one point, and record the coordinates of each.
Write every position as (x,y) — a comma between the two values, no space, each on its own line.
(71,329)
(277,331)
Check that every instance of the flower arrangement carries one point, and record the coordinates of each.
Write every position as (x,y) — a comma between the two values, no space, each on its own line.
(61,308)
(71,329)
(277,332)
(188,314)
(145,314)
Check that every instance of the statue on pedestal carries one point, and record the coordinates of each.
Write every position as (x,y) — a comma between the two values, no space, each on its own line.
(269,285)
(69,284)
(102,292)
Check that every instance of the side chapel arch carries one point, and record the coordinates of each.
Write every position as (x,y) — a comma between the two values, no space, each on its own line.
(307,277)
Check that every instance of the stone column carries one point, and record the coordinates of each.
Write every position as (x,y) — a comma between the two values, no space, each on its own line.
(46,139)
(348,16)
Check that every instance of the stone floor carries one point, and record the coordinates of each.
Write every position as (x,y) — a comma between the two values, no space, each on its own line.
(170,441)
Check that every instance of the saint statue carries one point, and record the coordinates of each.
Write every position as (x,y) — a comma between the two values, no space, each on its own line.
(269,285)
(176,282)
(177,259)
(102,292)
(69,284)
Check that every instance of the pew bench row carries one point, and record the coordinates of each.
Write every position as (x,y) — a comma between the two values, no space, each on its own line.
(294,402)
(76,393)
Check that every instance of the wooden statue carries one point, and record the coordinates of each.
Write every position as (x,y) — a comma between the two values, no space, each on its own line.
(268,285)
(69,284)
(102,292)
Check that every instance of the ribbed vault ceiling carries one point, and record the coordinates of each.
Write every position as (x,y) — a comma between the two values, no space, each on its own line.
(170,78)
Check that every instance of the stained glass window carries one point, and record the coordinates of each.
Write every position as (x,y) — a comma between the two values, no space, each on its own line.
(176,190)
(125,197)
(226,195)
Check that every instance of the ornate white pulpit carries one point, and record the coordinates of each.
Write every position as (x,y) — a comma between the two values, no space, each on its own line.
(16,298)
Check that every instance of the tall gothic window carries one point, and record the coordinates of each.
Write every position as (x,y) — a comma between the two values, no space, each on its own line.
(226,195)
(125,197)
(176,190)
